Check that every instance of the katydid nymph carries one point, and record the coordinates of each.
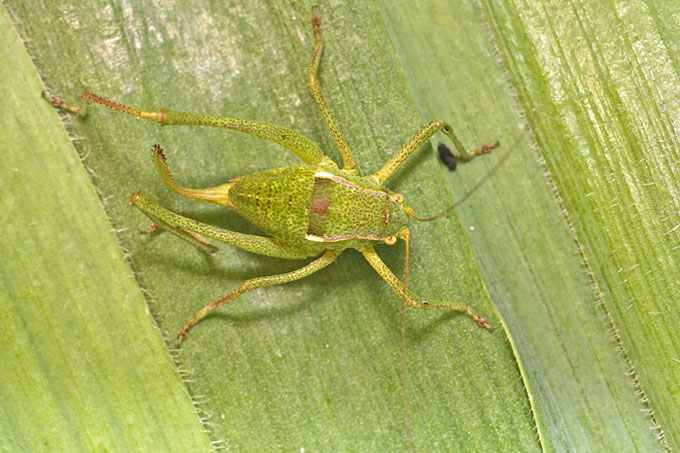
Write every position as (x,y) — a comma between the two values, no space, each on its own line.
(313,209)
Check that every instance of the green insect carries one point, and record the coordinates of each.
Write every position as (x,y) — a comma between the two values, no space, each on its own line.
(310,209)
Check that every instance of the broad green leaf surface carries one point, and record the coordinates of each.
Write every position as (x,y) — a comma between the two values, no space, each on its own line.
(313,364)
(599,85)
(582,394)
(83,365)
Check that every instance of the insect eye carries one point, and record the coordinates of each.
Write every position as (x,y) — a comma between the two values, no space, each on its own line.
(399,198)
(390,240)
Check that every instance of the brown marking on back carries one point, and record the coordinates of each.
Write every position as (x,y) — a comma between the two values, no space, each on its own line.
(320,206)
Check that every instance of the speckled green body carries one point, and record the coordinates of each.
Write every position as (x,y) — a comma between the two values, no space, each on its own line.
(318,207)
(306,210)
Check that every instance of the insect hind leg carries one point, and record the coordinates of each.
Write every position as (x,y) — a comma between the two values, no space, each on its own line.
(218,195)
(300,145)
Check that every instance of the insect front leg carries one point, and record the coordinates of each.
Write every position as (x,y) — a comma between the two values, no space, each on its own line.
(421,137)
(324,260)
(315,89)
(411,300)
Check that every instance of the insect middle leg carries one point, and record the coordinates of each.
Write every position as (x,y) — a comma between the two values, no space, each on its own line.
(421,137)
(315,89)
(411,300)
(324,260)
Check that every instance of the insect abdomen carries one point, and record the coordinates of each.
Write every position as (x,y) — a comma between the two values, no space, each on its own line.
(305,205)
(276,201)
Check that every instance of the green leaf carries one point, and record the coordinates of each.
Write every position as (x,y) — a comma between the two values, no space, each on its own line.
(84,368)
(598,87)
(315,364)
(605,111)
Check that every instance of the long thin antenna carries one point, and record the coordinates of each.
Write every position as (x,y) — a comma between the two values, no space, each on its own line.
(404,366)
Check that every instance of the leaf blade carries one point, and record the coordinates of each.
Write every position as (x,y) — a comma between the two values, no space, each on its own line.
(543,303)
(71,380)
(314,363)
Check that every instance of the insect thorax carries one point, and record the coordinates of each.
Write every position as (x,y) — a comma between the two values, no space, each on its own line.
(346,208)
(308,203)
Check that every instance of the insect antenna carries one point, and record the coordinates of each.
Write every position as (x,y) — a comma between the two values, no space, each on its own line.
(405,235)
(474,188)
